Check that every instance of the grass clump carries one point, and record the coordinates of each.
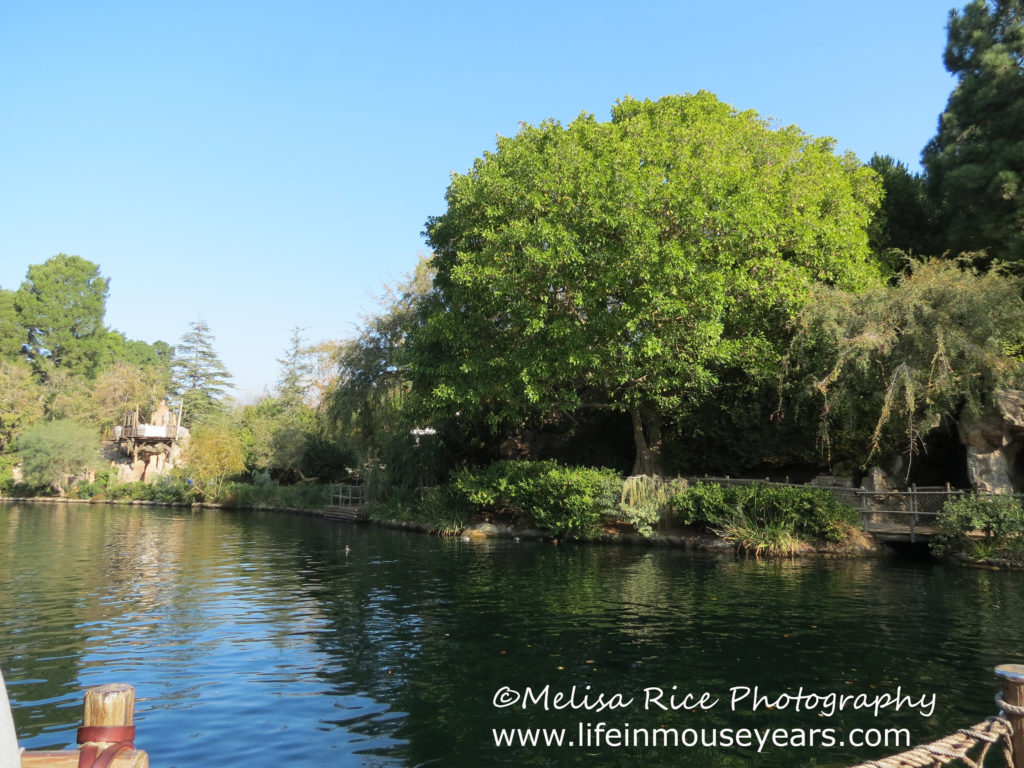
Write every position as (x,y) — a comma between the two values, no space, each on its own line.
(766,519)
(441,510)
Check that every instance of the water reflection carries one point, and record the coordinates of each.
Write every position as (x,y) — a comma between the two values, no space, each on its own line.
(250,635)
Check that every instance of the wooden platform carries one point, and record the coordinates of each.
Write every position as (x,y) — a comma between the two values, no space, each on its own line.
(892,531)
(349,513)
(129,758)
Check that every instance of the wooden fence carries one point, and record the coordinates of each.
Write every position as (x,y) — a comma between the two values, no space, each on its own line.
(347,495)
(897,515)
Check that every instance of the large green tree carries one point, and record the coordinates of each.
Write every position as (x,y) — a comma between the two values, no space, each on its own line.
(199,378)
(627,264)
(976,161)
(60,308)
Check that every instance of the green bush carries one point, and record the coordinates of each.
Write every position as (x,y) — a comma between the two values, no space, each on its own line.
(706,503)
(95,489)
(999,517)
(563,500)
(50,451)
(807,512)
(443,510)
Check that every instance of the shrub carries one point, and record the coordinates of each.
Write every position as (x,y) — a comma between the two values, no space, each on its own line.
(274,496)
(999,517)
(563,500)
(809,512)
(50,451)
(706,503)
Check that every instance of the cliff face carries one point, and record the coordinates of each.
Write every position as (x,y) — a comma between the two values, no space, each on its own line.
(993,440)
(149,463)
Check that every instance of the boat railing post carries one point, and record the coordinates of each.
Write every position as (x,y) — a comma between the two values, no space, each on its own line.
(1012,676)
(108,718)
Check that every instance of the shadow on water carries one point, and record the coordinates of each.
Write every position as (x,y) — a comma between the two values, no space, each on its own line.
(250,635)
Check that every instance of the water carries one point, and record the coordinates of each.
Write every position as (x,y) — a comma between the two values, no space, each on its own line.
(255,638)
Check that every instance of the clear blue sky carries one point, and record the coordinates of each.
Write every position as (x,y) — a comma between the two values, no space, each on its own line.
(268,165)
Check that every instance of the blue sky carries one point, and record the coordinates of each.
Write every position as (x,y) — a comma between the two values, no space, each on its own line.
(270,165)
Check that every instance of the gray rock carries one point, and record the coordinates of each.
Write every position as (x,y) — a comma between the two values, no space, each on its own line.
(481,531)
(993,440)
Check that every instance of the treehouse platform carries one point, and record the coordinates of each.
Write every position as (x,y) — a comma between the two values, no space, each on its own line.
(157,437)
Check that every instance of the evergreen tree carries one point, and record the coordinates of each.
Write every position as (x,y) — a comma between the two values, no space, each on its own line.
(976,162)
(60,308)
(906,221)
(296,372)
(199,378)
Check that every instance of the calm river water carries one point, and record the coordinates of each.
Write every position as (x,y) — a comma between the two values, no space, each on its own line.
(260,639)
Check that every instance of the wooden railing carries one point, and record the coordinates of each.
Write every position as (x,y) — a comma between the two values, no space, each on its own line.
(149,431)
(347,495)
(896,514)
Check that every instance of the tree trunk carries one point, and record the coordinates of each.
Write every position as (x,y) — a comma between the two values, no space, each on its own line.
(647,439)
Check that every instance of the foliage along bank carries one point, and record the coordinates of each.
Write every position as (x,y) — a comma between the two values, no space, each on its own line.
(585,503)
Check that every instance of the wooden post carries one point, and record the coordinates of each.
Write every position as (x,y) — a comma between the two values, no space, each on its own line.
(106,706)
(913,510)
(112,704)
(1012,676)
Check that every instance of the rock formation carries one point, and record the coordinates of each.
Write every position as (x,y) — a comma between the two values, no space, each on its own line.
(993,440)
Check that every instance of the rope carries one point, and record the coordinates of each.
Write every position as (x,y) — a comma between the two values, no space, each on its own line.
(954,747)
(1009,709)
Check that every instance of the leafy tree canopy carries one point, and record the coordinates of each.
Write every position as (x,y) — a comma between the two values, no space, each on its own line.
(629,262)
(882,368)
(976,161)
(12,336)
(372,382)
(214,454)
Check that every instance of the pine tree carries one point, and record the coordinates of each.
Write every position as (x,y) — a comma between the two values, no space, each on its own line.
(200,379)
(976,162)
(296,372)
